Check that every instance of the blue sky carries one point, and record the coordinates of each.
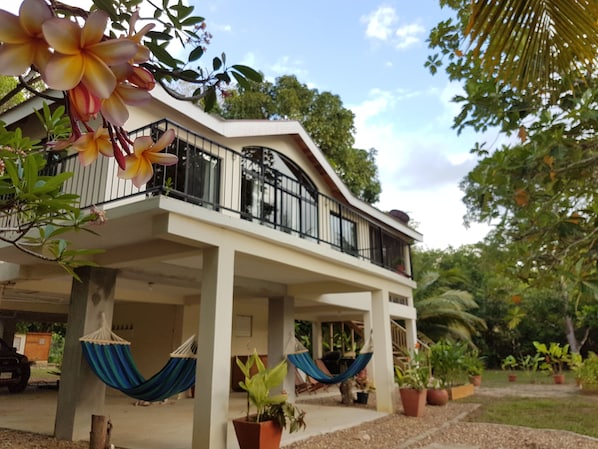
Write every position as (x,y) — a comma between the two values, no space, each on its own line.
(371,54)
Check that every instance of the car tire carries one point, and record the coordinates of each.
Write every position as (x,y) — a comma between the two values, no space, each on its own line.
(20,387)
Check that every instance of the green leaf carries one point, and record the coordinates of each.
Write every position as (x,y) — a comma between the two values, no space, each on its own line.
(195,54)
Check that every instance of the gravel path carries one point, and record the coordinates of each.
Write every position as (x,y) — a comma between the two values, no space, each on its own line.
(440,428)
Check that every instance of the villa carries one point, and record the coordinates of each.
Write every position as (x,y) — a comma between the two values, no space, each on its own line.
(250,231)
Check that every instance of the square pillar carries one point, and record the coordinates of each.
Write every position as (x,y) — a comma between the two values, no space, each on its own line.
(411,329)
(382,359)
(81,393)
(281,337)
(316,339)
(210,412)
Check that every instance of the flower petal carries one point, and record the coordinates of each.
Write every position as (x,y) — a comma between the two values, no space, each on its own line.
(114,51)
(93,30)
(11,31)
(164,140)
(141,144)
(32,14)
(162,158)
(63,35)
(115,110)
(98,77)
(133,95)
(63,72)
(15,59)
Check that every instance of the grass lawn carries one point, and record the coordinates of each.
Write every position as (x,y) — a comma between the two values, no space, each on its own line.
(575,413)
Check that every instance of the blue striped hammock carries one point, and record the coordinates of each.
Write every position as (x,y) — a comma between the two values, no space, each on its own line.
(109,356)
(302,360)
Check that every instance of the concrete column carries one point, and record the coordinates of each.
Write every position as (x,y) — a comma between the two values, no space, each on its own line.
(411,328)
(210,414)
(316,339)
(281,337)
(382,359)
(81,393)
(367,333)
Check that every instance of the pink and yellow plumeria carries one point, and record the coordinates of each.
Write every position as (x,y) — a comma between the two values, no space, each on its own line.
(23,43)
(100,76)
(138,166)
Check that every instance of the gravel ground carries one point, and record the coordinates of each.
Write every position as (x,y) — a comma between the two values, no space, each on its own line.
(440,428)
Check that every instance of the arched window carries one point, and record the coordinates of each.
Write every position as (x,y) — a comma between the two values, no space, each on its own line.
(277,192)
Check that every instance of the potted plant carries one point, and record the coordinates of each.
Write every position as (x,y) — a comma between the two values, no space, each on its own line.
(587,374)
(436,393)
(365,386)
(555,358)
(474,365)
(413,379)
(530,365)
(448,362)
(263,429)
(510,363)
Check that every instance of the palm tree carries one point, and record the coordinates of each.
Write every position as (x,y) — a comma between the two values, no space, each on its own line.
(443,312)
(526,42)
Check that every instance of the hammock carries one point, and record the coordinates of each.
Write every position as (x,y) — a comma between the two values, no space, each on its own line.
(110,358)
(305,363)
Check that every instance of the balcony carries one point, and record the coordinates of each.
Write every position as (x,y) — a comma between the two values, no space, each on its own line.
(257,184)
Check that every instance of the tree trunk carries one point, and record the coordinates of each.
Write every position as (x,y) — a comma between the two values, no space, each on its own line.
(569,325)
(99,437)
(346,389)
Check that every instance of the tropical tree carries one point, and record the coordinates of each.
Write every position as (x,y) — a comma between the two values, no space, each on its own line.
(444,312)
(537,190)
(93,65)
(323,116)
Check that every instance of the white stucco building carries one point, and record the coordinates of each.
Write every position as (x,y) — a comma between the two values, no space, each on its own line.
(250,231)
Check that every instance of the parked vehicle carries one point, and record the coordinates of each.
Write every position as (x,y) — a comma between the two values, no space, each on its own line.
(14,368)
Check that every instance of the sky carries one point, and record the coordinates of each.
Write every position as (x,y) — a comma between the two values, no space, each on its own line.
(371,54)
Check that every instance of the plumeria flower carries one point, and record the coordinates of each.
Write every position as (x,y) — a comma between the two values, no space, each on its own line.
(23,43)
(84,105)
(143,53)
(82,56)
(138,166)
(114,108)
(91,145)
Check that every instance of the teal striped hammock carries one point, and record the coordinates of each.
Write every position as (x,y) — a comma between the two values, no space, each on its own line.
(302,360)
(109,356)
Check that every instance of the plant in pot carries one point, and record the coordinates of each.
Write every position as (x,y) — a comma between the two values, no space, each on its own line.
(365,386)
(448,362)
(587,374)
(510,363)
(263,429)
(556,357)
(474,365)
(413,379)
(530,365)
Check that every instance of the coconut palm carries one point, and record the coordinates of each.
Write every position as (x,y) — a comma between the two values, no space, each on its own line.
(443,312)
(528,42)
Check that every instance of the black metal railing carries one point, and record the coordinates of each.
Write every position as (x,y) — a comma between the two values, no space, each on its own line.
(222,179)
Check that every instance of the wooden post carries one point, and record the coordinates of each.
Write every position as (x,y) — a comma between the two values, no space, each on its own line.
(99,437)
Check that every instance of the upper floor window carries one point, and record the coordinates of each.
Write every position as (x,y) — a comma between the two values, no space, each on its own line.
(277,192)
(388,250)
(343,234)
(195,178)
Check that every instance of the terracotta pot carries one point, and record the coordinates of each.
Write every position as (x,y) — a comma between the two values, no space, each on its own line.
(512,377)
(414,401)
(257,435)
(476,380)
(559,379)
(437,396)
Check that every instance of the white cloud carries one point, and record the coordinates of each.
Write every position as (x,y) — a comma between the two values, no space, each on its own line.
(409,35)
(285,65)
(381,25)
(419,167)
